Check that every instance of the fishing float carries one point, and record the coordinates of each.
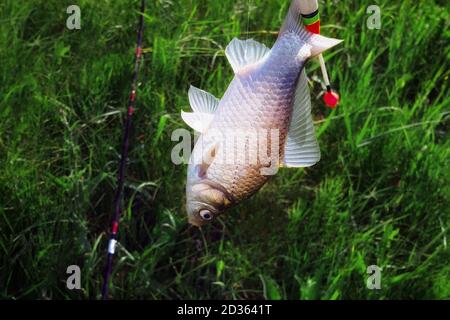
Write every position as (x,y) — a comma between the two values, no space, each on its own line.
(309,10)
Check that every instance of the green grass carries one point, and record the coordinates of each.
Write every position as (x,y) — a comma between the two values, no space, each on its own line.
(380,195)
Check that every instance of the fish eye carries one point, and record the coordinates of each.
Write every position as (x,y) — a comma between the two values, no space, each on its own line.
(205,214)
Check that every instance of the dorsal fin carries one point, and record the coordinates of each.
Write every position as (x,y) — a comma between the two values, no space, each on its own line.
(301,149)
(241,53)
(202,101)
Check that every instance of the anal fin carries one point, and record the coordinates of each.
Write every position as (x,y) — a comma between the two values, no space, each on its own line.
(241,53)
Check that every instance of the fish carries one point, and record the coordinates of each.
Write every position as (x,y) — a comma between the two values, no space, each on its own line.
(262,122)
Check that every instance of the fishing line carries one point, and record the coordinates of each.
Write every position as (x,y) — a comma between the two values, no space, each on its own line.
(123,159)
(248,24)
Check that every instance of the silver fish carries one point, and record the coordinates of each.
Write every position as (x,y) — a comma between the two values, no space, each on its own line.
(262,122)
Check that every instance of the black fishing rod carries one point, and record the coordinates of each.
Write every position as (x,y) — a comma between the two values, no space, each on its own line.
(123,159)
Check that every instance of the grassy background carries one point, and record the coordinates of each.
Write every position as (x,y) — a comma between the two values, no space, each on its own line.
(380,195)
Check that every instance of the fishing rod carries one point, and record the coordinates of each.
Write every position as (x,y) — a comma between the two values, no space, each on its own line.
(123,159)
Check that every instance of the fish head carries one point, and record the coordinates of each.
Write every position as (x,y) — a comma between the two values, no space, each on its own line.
(205,199)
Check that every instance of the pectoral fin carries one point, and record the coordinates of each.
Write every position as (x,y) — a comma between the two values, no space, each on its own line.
(198,121)
(204,105)
(301,148)
(202,101)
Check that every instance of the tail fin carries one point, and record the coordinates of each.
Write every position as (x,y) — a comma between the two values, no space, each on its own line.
(293,24)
